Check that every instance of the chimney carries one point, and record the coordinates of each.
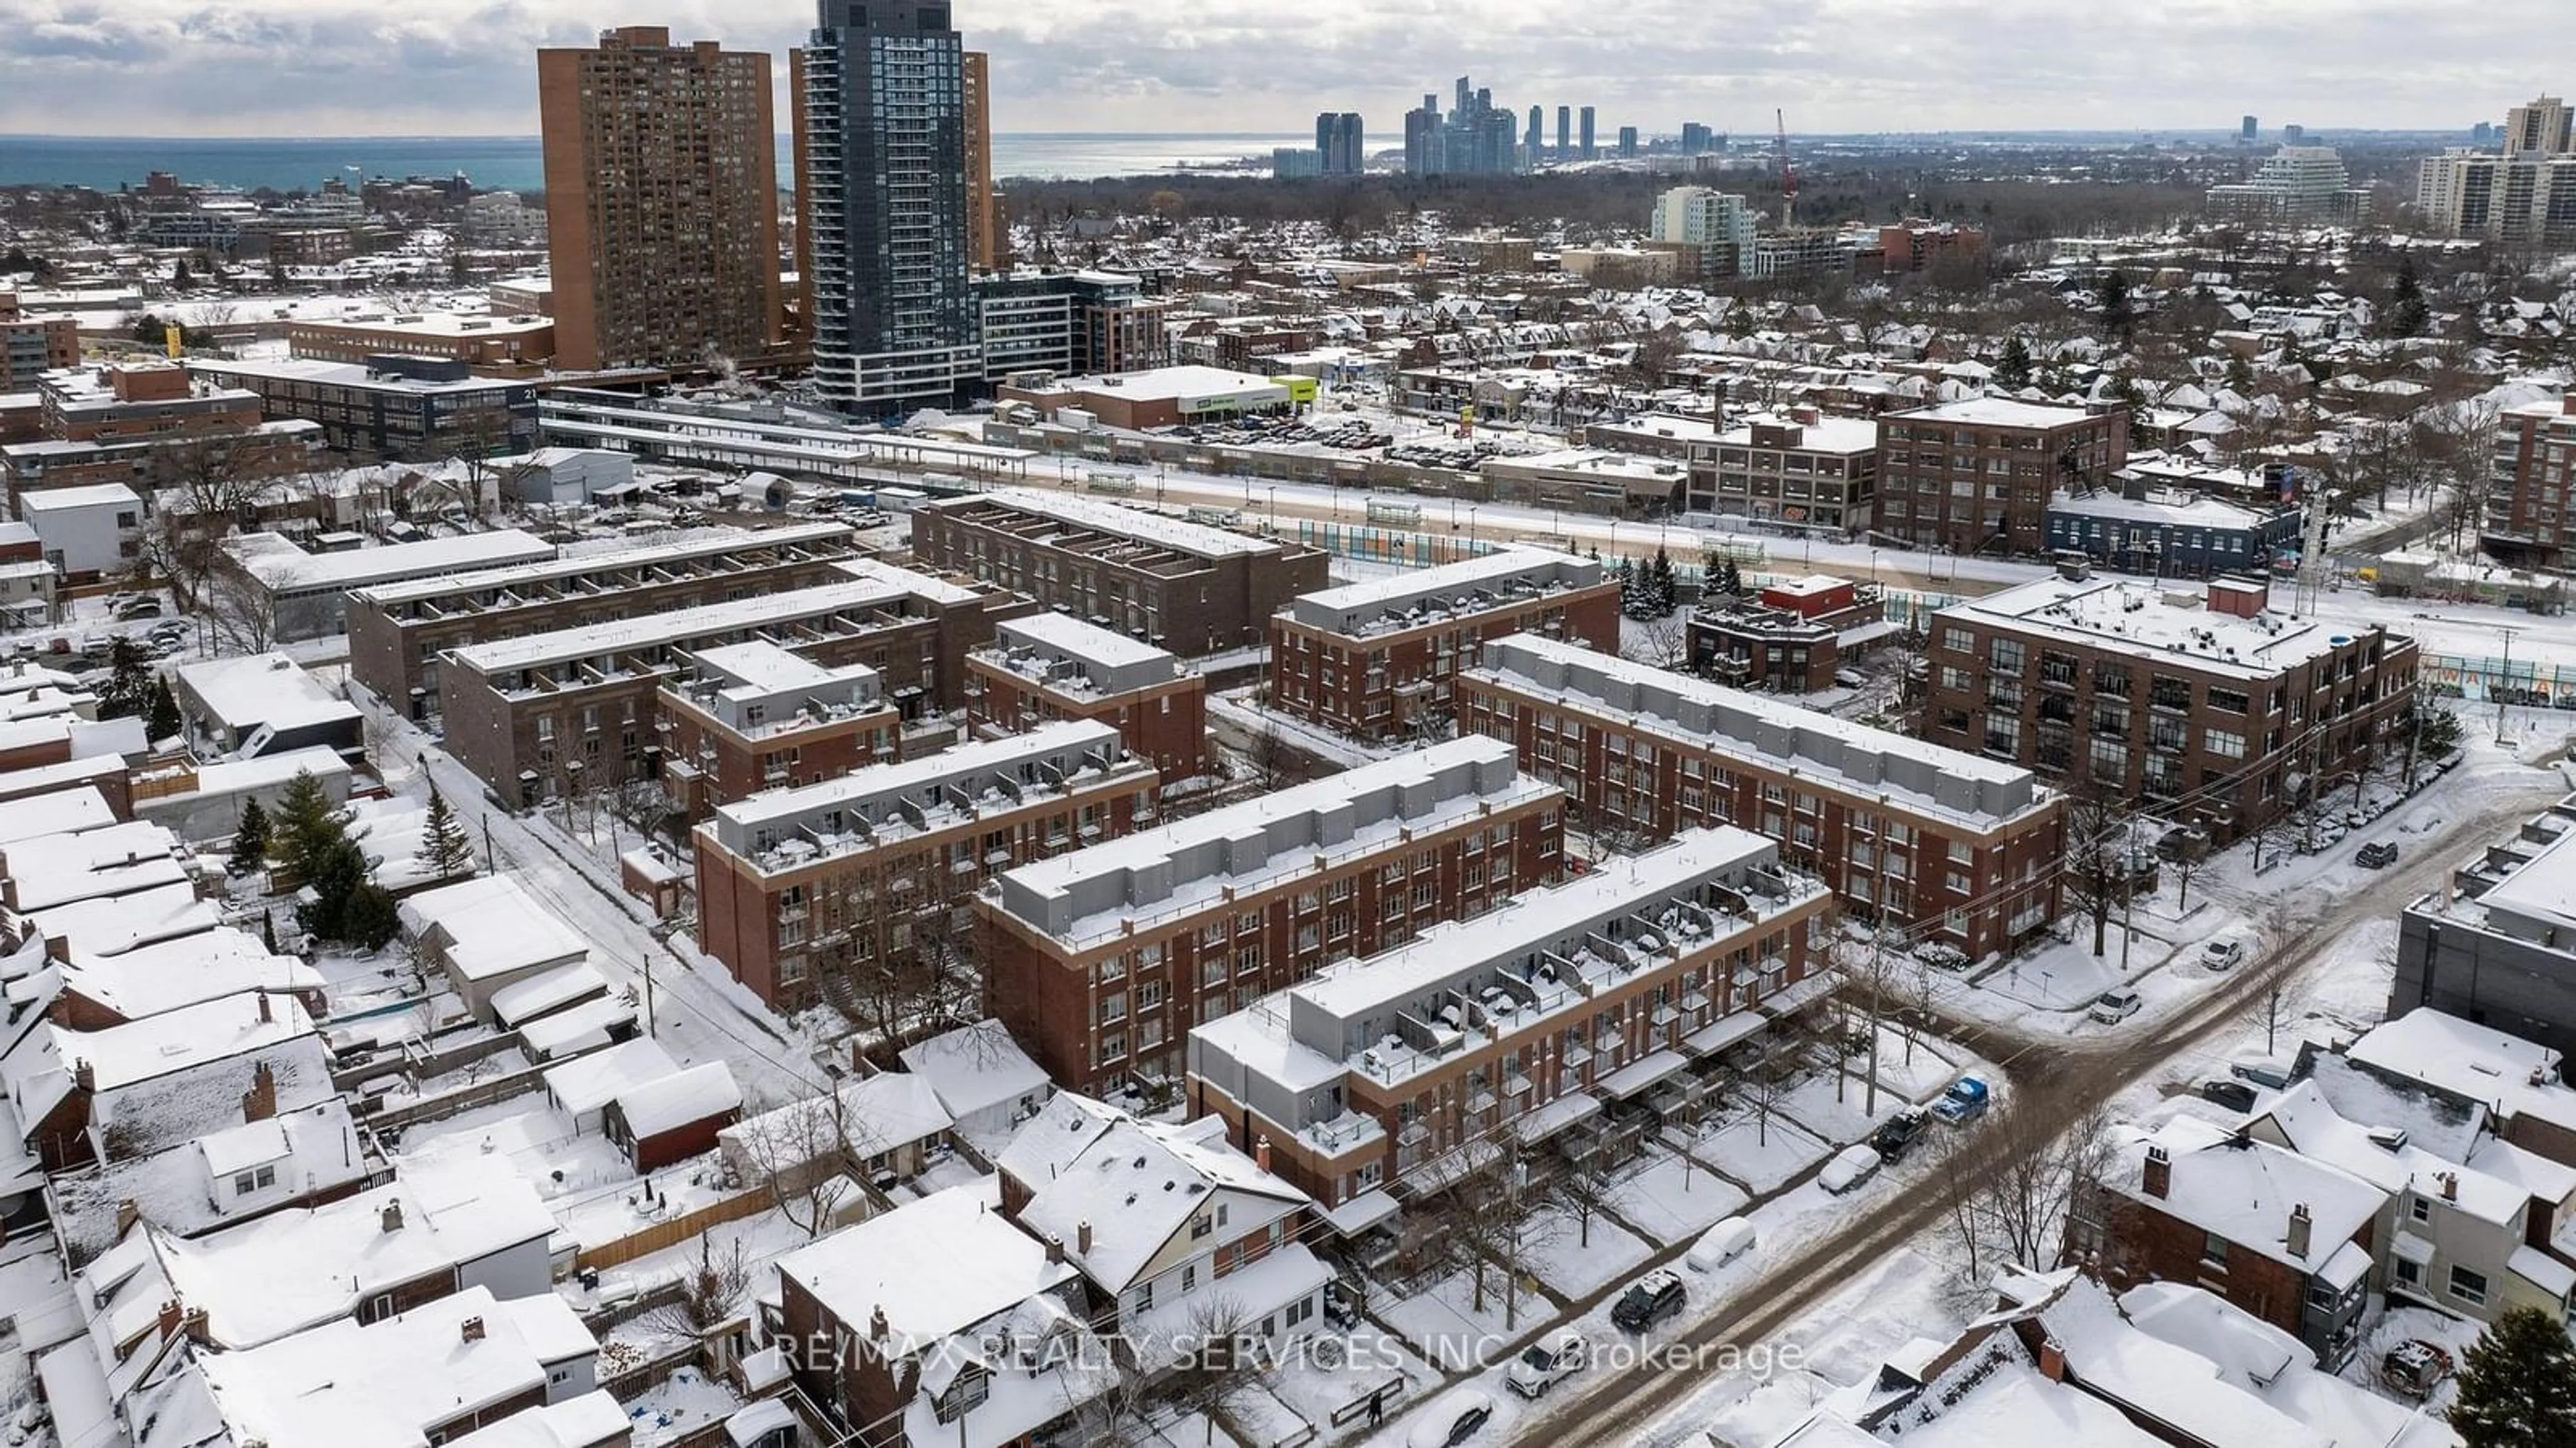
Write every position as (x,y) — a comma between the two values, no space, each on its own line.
(1261,1153)
(259,1103)
(127,1214)
(878,1328)
(171,1316)
(2300,1225)
(2450,1186)
(194,1325)
(2159,1175)
(1055,1248)
(392,1217)
(265,1017)
(471,1329)
(84,1075)
(1082,1238)
(2052,1360)
(58,949)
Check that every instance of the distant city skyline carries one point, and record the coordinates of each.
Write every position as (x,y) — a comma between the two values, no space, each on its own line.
(305,67)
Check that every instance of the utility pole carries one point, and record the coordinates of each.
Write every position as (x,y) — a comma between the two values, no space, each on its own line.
(2505,680)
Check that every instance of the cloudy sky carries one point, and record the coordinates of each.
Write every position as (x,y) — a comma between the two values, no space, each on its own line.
(456,67)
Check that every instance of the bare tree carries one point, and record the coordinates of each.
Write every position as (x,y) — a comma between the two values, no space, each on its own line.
(1662,643)
(709,1295)
(1491,1219)
(2010,1184)
(2190,852)
(1217,1359)
(2098,870)
(804,1153)
(1268,756)
(1587,1189)
(1765,1087)
(1870,980)
(238,610)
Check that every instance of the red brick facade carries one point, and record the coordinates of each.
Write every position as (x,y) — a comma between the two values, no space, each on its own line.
(1398,683)
(1165,723)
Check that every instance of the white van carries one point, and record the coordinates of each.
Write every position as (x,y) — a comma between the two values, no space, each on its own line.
(1720,1245)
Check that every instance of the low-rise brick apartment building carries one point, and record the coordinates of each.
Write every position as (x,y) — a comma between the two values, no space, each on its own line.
(1525,1019)
(2202,706)
(577,707)
(1975,476)
(1051,666)
(397,631)
(32,345)
(751,717)
(402,407)
(1102,960)
(800,888)
(1378,660)
(146,425)
(1789,637)
(1183,586)
(1958,848)
(1803,468)
(2530,515)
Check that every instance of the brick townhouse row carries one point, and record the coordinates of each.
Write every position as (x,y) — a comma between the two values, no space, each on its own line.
(1052,666)
(1102,960)
(1184,586)
(398,630)
(577,708)
(812,892)
(1958,848)
(1522,1020)
(1377,660)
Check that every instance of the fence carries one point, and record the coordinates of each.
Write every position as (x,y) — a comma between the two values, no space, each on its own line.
(673,1231)
(464,1098)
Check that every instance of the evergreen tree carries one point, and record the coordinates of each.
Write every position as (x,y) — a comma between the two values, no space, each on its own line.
(1661,574)
(268,931)
(180,277)
(2517,1385)
(1628,592)
(128,690)
(337,876)
(1730,579)
(250,840)
(446,851)
(370,917)
(2012,369)
(2119,313)
(305,829)
(2240,373)
(161,719)
(2406,314)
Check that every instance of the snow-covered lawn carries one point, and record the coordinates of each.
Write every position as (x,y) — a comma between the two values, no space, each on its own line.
(1762,1156)
(1569,1266)
(1442,1323)
(1843,1341)
(1673,1199)
(1329,1372)
(1832,1106)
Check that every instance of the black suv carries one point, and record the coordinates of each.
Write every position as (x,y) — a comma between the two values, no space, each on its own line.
(1895,1134)
(1656,1296)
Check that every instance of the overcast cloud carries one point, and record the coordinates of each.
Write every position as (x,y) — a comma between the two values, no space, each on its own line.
(442,67)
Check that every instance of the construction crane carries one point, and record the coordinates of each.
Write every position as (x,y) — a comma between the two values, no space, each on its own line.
(1788,176)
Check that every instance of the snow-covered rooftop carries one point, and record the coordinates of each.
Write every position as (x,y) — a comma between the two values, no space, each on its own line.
(694,544)
(1504,577)
(2136,617)
(1769,734)
(285,568)
(1994,412)
(975,1069)
(2511,1075)
(1205,860)
(490,926)
(675,626)
(1097,515)
(245,691)
(2242,1190)
(936,1267)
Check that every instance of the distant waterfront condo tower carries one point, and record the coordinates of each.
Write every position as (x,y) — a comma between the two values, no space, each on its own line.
(884,152)
(1536,134)
(1590,150)
(1340,143)
(1564,131)
(661,201)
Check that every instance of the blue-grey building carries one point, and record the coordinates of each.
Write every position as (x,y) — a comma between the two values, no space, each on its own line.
(2170,535)
(2497,947)
(885,156)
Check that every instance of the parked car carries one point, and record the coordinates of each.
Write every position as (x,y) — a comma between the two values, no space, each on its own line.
(2114,1006)
(1720,1245)
(1850,1167)
(2377,855)
(1452,1420)
(1656,1296)
(1965,1101)
(2234,1095)
(1895,1134)
(2262,1071)
(2415,1367)
(1540,1366)
(144,607)
(2223,954)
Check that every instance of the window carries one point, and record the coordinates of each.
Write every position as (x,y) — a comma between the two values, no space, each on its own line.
(251,1181)
(2213,1249)
(1113,1006)
(2470,1287)
(2421,1209)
